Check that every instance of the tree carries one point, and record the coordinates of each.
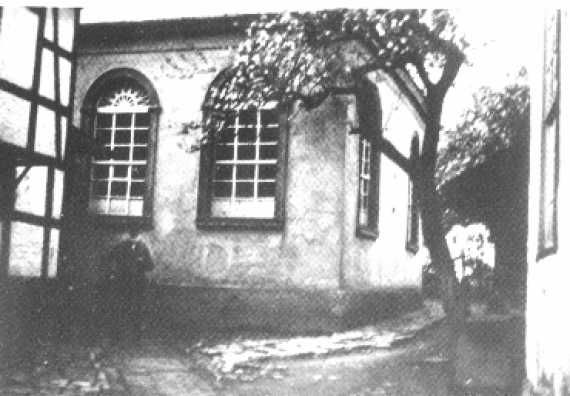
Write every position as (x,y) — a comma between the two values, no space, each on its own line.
(492,123)
(307,57)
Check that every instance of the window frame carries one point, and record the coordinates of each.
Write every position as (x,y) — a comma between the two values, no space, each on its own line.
(369,113)
(371,229)
(205,220)
(104,84)
(550,142)
(413,221)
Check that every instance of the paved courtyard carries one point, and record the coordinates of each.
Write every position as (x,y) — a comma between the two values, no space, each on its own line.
(395,357)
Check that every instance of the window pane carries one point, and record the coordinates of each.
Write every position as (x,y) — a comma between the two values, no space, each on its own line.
(363,217)
(104,120)
(120,171)
(141,137)
(123,120)
(122,137)
(267,171)
(222,189)
(137,189)
(246,152)
(269,135)
(225,152)
(119,189)
(118,206)
(138,172)
(248,117)
(136,207)
(100,188)
(121,153)
(226,136)
(247,135)
(268,152)
(103,137)
(364,187)
(230,120)
(224,172)
(266,189)
(244,190)
(102,153)
(269,117)
(245,172)
(139,154)
(142,120)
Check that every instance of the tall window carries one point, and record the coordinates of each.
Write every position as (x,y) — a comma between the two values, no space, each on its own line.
(120,179)
(370,122)
(242,172)
(364,190)
(413,229)
(548,216)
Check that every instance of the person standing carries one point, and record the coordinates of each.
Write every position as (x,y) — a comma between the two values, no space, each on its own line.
(128,262)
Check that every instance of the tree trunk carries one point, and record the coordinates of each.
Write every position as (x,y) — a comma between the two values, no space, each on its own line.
(453,295)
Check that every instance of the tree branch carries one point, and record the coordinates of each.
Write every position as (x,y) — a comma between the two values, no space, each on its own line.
(453,61)
(422,73)
(387,148)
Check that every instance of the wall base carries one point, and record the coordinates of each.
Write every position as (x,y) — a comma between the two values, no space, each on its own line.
(203,309)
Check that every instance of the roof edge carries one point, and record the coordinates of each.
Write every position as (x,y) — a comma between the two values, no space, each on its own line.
(102,33)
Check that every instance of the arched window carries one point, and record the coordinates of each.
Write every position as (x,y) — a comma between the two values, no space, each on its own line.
(242,170)
(370,128)
(122,120)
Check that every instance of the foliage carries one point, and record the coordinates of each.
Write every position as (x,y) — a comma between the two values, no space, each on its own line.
(490,125)
(311,55)
(474,254)
(307,57)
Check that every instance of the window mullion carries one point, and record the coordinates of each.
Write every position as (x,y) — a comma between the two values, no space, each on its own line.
(130,165)
(109,183)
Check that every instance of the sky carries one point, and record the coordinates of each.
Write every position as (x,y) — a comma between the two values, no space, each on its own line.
(499,37)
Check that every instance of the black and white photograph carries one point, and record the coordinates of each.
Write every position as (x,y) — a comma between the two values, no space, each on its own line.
(284,199)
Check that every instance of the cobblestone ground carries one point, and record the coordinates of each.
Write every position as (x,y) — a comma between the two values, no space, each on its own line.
(397,357)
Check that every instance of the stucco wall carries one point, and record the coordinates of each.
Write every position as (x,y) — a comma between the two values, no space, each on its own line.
(305,254)
(317,248)
(384,262)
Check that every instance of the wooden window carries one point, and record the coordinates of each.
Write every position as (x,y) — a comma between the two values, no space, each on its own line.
(122,119)
(548,227)
(368,189)
(242,172)
(413,229)
(370,129)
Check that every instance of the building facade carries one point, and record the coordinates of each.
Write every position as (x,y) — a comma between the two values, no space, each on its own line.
(547,345)
(291,220)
